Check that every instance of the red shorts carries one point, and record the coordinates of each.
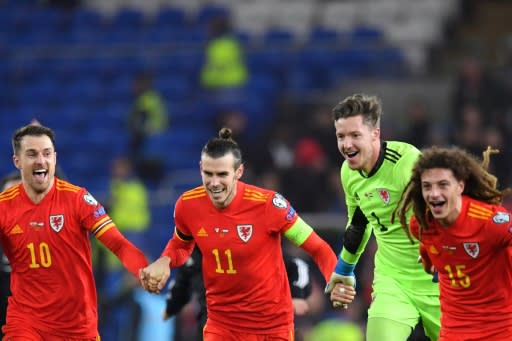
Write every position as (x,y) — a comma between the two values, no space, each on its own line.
(19,333)
(213,332)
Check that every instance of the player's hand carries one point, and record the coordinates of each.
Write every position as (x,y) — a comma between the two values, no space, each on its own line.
(427,265)
(341,288)
(154,276)
(342,295)
(300,306)
(429,268)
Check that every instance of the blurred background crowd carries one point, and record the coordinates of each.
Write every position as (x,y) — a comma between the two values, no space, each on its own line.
(134,89)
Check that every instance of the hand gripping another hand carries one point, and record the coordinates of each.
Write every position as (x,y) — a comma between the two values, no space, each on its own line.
(341,285)
(154,277)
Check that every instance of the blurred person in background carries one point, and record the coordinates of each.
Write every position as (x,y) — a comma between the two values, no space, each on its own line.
(465,236)
(310,162)
(8,181)
(420,125)
(148,116)
(238,228)
(374,175)
(45,225)
(128,206)
(224,65)
(475,86)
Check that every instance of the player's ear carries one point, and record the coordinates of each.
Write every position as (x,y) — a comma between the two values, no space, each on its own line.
(239,172)
(376,133)
(461,185)
(16,161)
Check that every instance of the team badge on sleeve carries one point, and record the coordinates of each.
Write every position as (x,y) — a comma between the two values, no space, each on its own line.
(57,222)
(279,201)
(244,232)
(88,198)
(501,218)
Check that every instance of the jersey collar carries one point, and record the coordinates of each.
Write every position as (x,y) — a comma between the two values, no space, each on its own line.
(379,162)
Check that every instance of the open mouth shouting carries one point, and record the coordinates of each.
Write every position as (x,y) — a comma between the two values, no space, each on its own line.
(40,175)
(437,206)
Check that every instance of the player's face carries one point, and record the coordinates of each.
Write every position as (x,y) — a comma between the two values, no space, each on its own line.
(357,142)
(36,161)
(220,178)
(442,193)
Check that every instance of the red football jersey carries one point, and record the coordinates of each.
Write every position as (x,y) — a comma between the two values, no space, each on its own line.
(48,247)
(472,257)
(244,273)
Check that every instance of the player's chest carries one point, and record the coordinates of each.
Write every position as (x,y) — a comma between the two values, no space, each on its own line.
(245,234)
(38,223)
(373,194)
(446,247)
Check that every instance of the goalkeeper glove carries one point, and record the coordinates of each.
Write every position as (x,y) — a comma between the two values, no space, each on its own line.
(343,273)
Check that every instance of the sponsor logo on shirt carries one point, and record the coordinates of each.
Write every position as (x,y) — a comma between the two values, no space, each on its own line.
(290,214)
(36,224)
(89,199)
(99,212)
(244,232)
(57,222)
(449,249)
(472,249)
(279,201)
(202,232)
(384,195)
(221,231)
(432,249)
(16,230)
(501,218)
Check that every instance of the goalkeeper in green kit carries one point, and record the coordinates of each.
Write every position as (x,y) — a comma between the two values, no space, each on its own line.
(373,177)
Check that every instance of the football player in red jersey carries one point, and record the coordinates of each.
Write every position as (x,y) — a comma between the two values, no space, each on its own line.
(238,229)
(466,236)
(45,224)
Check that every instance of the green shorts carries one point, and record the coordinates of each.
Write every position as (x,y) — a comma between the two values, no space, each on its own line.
(392,301)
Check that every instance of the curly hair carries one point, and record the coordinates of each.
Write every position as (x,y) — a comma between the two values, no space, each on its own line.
(479,183)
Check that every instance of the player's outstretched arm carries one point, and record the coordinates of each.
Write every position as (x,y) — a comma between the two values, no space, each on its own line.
(130,256)
(302,235)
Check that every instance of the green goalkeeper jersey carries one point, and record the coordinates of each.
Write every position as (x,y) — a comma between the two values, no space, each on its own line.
(377,194)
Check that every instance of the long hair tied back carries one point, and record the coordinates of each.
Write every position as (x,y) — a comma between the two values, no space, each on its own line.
(223,144)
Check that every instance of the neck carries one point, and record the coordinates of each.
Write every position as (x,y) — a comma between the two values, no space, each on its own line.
(452,217)
(375,157)
(35,196)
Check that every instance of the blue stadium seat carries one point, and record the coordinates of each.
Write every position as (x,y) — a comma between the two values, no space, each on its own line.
(367,34)
(174,88)
(127,19)
(278,37)
(170,17)
(323,36)
(209,11)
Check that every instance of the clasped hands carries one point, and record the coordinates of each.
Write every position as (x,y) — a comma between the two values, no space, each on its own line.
(341,290)
(154,277)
